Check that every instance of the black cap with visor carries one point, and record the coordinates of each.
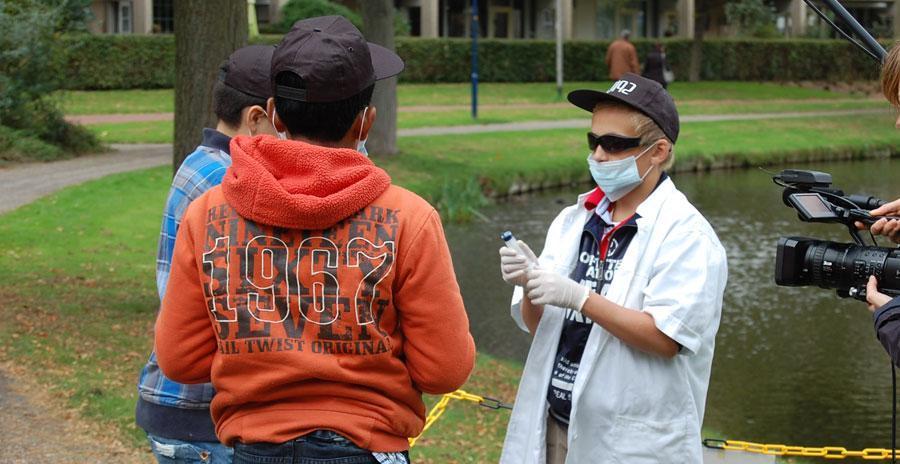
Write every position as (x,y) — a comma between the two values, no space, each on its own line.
(642,94)
(333,59)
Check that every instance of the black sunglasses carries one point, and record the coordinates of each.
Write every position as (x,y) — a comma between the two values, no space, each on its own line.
(612,143)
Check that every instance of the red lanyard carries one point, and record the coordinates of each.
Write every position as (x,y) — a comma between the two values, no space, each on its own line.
(604,242)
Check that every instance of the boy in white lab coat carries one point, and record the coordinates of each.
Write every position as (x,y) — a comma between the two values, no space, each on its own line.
(624,303)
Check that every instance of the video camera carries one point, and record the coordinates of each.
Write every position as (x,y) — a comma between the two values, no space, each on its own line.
(846,267)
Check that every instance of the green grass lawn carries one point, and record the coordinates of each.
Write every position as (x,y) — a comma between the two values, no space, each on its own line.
(497,160)
(161,131)
(500,159)
(134,132)
(163,101)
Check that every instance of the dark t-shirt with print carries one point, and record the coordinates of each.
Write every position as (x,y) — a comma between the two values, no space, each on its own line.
(597,275)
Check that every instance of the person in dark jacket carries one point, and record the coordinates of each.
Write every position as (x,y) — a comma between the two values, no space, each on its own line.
(886,309)
(655,65)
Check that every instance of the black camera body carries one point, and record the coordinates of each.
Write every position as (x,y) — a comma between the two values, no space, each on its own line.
(845,267)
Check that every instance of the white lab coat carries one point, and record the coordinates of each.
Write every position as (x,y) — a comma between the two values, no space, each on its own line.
(628,406)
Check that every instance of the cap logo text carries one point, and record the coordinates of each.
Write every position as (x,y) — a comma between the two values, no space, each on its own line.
(624,87)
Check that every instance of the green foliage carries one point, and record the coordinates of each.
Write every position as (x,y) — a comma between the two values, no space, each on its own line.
(33,127)
(118,61)
(459,200)
(752,18)
(295,10)
(27,70)
(72,16)
(18,146)
(447,60)
(148,62)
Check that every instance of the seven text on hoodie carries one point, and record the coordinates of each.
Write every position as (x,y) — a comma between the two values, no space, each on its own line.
(259,318)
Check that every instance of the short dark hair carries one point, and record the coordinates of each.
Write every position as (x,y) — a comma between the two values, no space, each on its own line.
(229,103)
(326,122)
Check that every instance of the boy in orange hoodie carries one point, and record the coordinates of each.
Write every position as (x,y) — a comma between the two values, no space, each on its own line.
(318,298)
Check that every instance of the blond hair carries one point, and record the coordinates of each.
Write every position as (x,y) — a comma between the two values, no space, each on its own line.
(890,76)
(647,129)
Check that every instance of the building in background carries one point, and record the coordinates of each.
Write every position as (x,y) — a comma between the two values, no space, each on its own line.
(530,19)
(155,16)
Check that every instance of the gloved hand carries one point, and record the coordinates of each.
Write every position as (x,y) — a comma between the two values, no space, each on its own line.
(513,265)
(547,287)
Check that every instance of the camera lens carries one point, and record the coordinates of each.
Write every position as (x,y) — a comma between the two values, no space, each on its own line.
(804,261)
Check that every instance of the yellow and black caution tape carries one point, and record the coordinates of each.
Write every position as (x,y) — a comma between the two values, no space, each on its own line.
(826,452)
(438,409)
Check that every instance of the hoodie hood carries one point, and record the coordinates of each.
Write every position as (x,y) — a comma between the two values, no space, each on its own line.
(297,185)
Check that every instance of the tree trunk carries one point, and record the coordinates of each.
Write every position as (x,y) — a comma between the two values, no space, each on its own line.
(378,20)
(206,32)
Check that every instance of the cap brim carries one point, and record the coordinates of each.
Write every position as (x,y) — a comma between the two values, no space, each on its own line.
(385,62)
(588,99)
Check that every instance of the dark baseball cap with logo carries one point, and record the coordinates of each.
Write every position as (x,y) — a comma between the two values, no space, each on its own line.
(333,59)
(247,70)
(642,94)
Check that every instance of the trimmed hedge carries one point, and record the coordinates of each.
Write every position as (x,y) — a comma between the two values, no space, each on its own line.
(122,62)
(118,61)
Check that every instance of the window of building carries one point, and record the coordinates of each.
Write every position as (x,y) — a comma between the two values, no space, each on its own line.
(124,18)
(163,16)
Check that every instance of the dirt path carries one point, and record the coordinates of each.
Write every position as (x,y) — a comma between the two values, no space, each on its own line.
(34,428)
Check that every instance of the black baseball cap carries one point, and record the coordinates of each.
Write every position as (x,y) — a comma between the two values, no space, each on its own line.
(247,70)
(333,59)
(642,94)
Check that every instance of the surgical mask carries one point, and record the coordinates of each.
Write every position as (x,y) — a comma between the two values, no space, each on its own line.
(281,135)
(361,145)
(618,178)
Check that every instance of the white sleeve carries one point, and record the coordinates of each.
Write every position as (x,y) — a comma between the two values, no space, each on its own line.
(684,293)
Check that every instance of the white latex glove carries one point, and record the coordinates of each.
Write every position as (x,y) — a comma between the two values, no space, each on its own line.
(514,265)
(548,287)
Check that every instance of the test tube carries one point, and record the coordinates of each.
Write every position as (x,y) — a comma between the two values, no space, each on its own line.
(513,244)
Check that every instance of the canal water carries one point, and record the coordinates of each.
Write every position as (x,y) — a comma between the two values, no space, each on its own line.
(792,365)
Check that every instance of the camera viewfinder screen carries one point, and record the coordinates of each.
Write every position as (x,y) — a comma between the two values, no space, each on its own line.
(812,205)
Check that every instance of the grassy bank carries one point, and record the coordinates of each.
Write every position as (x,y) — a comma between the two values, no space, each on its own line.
(453,170)
(504,163)
(161,131)
(163,101)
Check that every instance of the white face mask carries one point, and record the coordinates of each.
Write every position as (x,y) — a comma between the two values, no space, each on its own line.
(618,178)
(281,135)
(361,145)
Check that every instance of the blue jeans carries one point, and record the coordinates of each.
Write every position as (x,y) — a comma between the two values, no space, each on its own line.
(318,447)
(170,451)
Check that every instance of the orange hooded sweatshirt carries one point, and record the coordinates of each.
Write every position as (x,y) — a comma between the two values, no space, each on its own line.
(313,294)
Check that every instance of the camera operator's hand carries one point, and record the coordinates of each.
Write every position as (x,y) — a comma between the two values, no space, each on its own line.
(513,265)
(875,298)
(550,288)
(890,228)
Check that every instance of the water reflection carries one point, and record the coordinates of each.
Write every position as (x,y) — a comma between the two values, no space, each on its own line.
(795,365)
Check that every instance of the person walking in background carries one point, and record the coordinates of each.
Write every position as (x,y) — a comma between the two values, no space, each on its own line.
(655,66)
(621,57)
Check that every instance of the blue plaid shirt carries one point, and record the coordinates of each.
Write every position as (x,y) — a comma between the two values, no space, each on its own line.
(202,170)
